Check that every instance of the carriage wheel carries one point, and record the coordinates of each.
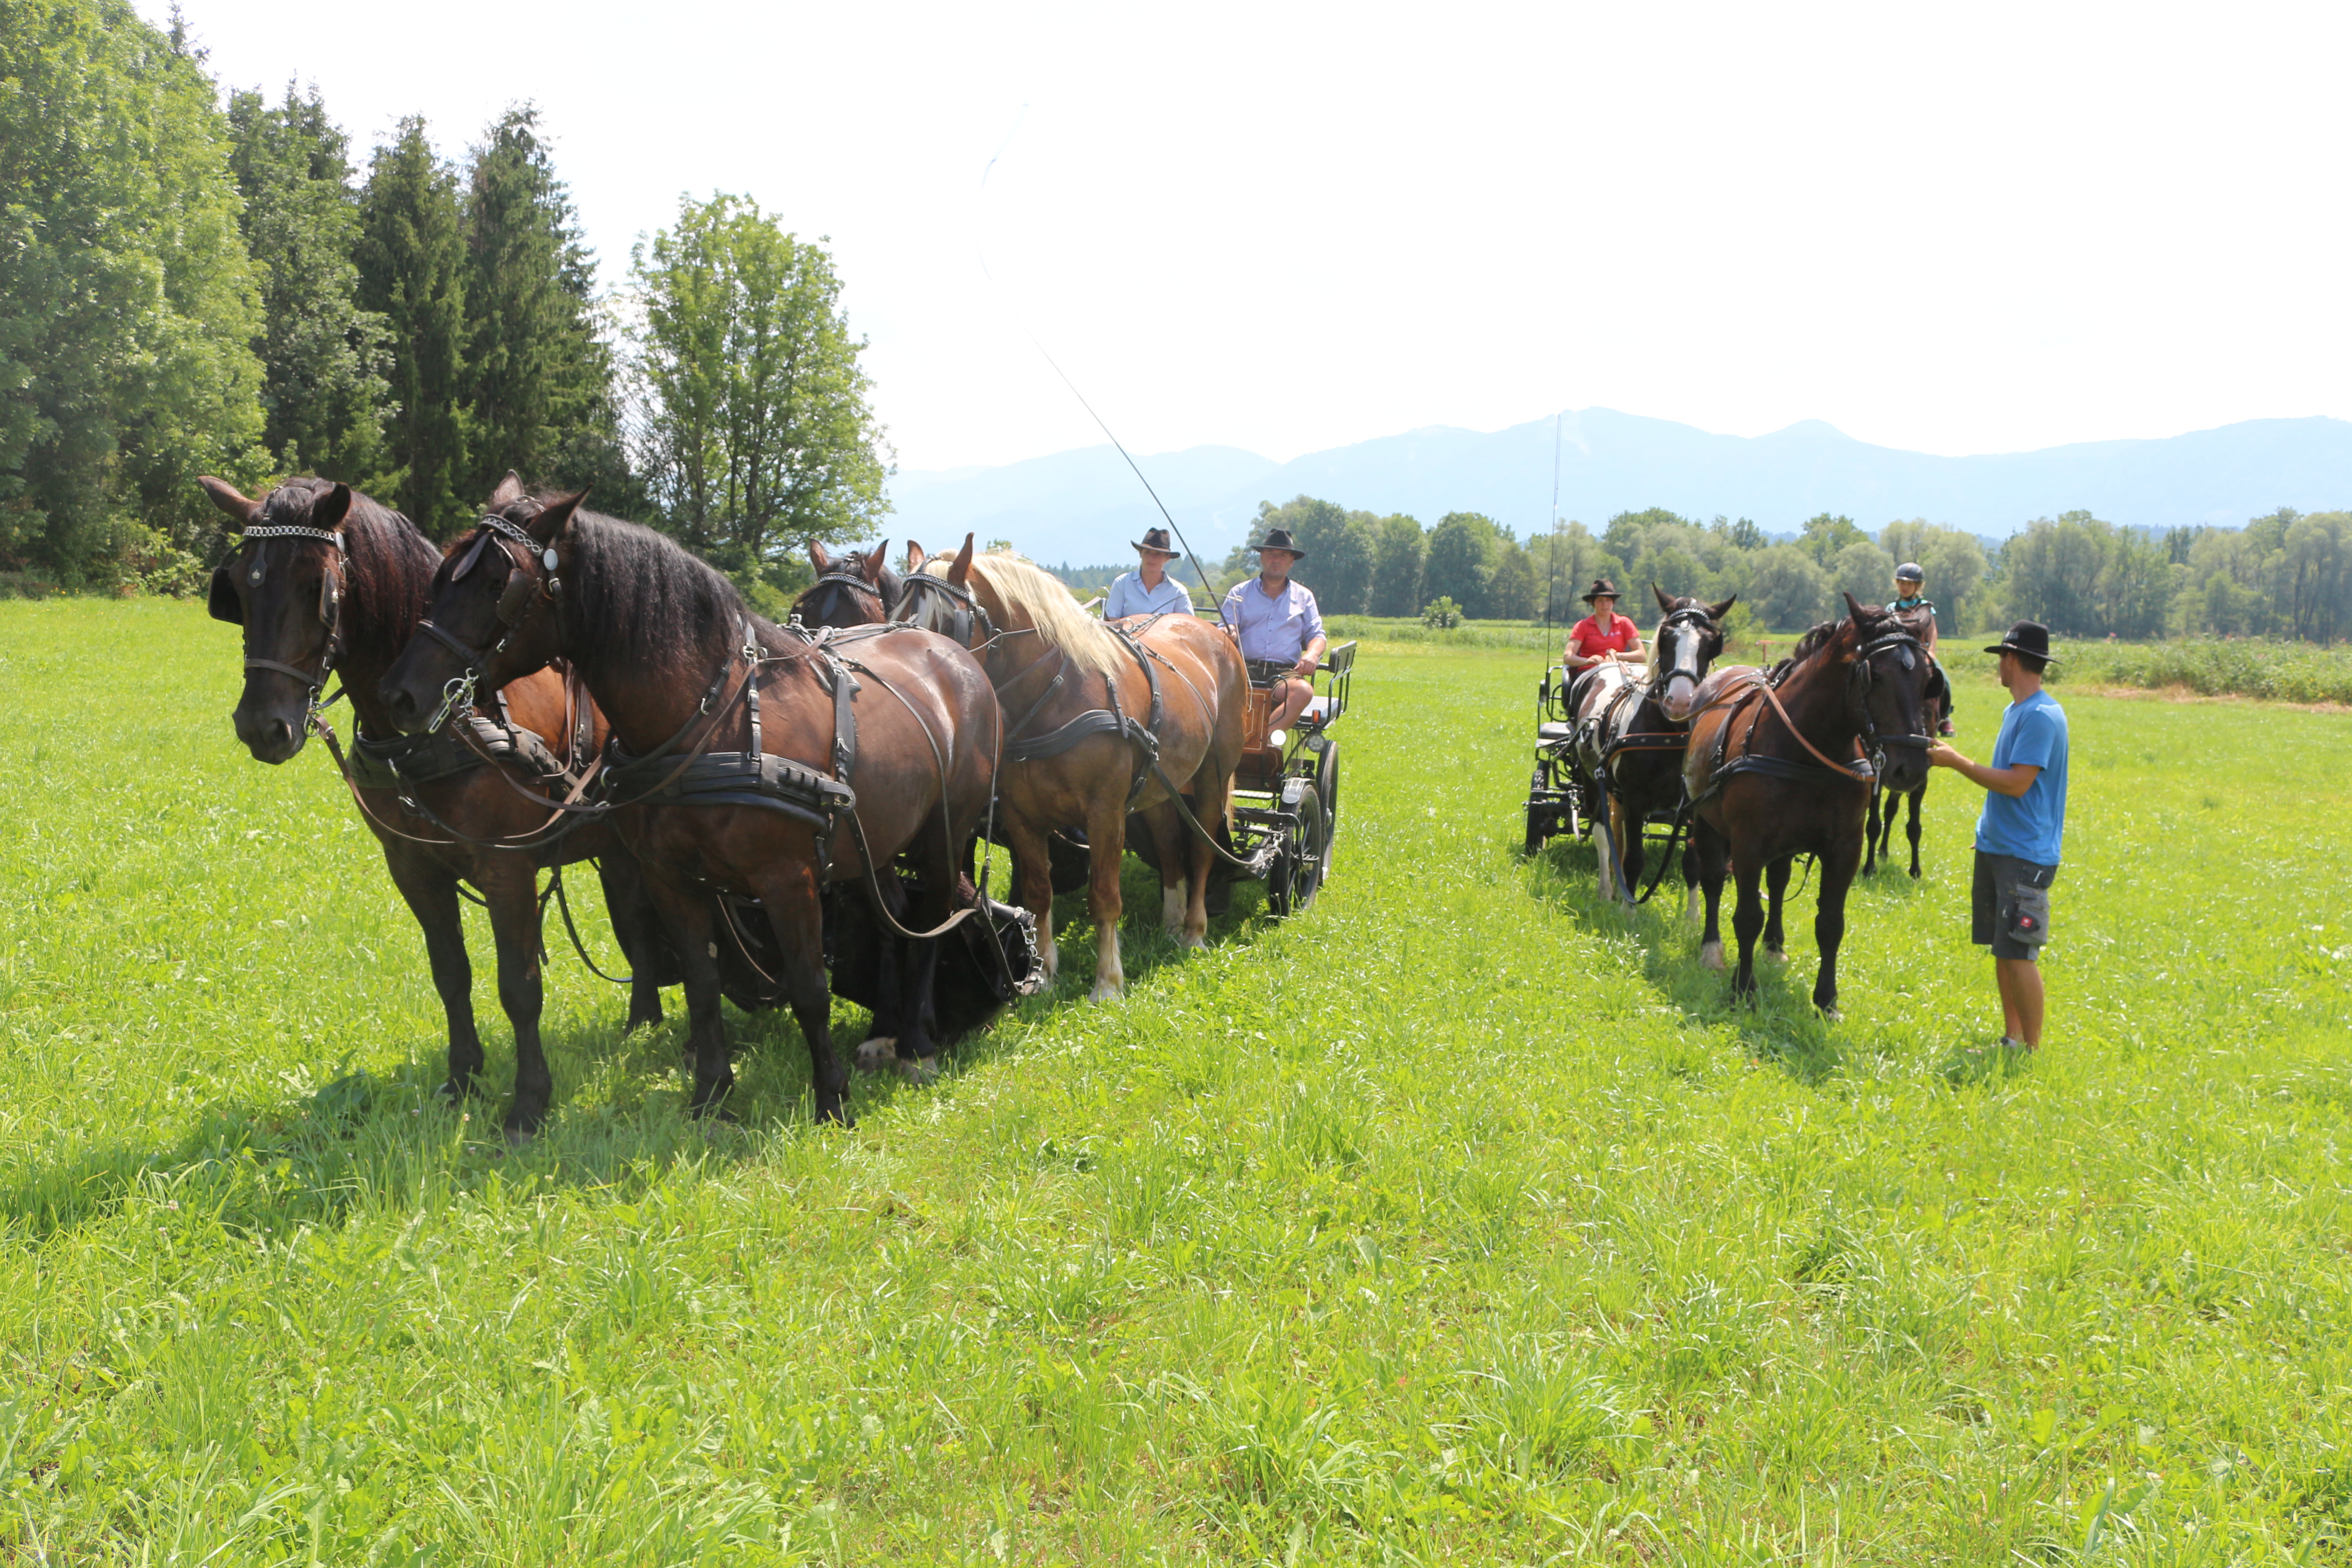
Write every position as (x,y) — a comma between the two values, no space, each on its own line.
(1539,821)
(1298,871)
(1326,787)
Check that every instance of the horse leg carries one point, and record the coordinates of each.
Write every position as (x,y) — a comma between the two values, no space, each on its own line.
(936,874)
(430,889)
(1175,850)
(1776,884)
(1032,886)
(692,918)
(1212,794)
(1747,923)
(1106,852)
(1870,832)
(789,892)
(1708,847)
(1911,826)
(1828,924)
(1626,828)
(1605,846)
(643,941)
(508,883)
(879,1049)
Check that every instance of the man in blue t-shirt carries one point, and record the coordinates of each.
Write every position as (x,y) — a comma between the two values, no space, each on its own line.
(2019,834)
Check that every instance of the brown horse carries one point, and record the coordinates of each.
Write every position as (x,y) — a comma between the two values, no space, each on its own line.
(1100,721)
(1878,839)
(850,590)
(1781,771)
(329,580)
(1630,731)
(749,759)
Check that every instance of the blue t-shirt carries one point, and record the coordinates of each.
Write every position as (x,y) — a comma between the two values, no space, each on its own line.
(2029,825)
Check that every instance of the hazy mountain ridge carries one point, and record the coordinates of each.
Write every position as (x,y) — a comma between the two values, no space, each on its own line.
(1085,506)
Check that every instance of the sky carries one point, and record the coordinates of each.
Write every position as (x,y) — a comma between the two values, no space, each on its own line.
(1286,228)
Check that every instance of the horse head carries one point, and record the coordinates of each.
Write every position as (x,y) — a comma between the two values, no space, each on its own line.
(1687,642)
(1889,674)
(495,614)
(851,589)
(284,585)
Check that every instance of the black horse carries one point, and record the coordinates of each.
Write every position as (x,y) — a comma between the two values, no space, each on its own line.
(327,580)
(1629,733)
(1877,835)
(1782,769)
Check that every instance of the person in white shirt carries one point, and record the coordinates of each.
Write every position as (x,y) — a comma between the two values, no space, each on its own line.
(1148,590)
(1278,625)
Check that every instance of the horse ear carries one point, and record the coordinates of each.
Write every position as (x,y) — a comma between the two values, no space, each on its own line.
(915,556)
(231,500)
(509,491)
(1716,612)
(1853,606)
(873,565)
(961,572)
(330,509)
(1665,601)
(553,519)
(819,559)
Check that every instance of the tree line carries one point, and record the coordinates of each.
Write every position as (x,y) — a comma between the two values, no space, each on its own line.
(191,283)
(2287,575)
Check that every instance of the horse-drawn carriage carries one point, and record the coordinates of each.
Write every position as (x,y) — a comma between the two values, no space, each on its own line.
(1286,805)
(1566,795)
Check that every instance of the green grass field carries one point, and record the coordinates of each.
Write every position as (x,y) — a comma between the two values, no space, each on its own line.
(1459,1221)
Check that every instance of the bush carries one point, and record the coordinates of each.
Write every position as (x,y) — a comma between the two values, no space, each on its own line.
(1442,612)
(2248,667)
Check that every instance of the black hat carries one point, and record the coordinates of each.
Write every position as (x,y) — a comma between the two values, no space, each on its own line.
(2029,638)
(1275,539)
(1602,586)
(1909,573)
(1156,539)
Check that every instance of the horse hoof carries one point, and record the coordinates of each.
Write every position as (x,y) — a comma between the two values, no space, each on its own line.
(920,1071)
(1107,991)
(1711,956)
(876,1053)
(1774,955)
(1830,1014)
(517,1137)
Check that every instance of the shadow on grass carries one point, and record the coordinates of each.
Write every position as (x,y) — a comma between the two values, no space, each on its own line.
(1780,1025)
(369,1140)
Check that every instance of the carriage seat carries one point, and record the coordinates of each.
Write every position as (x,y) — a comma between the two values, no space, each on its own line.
(1316,711)
(1545,734)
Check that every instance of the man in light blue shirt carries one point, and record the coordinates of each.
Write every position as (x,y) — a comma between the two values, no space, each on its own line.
(1279,628)
(1148,590)
(2021,831)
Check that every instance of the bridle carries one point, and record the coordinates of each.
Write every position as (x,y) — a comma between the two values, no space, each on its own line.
(964,614)
(222,604)
(853,581)
(1857,687)
(1690,618)
(515,602)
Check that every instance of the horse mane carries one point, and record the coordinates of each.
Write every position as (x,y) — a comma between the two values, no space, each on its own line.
(388,564)
(645,600)
(1049,605)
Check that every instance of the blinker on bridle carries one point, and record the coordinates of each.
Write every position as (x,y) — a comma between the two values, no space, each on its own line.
(513,604)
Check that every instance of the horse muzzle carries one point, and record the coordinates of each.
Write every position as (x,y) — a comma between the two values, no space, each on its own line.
(269,733)
(1682,695)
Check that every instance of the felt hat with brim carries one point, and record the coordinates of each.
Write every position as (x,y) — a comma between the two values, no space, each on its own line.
(1155,542)
(1278,539)
(2029,638)
(1603,588)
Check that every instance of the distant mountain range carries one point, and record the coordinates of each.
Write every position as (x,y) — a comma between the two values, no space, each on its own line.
(1084,508)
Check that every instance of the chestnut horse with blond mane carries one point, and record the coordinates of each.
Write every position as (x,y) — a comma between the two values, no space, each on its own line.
(1100,720)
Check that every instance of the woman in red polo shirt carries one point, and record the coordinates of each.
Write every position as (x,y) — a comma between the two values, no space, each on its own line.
(1604,636)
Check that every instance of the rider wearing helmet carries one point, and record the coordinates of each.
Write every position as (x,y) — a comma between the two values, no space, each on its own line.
(1909,579)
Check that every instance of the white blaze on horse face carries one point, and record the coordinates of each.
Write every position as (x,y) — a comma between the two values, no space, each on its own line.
(1682,685)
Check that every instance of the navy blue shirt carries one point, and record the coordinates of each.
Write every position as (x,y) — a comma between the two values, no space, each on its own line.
(2029,825)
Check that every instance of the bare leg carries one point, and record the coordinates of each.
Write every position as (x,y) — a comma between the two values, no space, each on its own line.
(2021,999)
(1292,697)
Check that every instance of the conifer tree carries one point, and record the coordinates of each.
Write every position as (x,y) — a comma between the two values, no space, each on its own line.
(411,266)
(323,394)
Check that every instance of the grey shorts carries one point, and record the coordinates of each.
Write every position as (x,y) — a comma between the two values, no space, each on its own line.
(2010,906)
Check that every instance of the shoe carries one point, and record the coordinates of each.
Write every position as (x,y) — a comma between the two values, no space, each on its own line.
(1972,1064)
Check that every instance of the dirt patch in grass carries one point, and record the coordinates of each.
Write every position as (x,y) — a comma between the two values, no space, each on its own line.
(2179,693)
